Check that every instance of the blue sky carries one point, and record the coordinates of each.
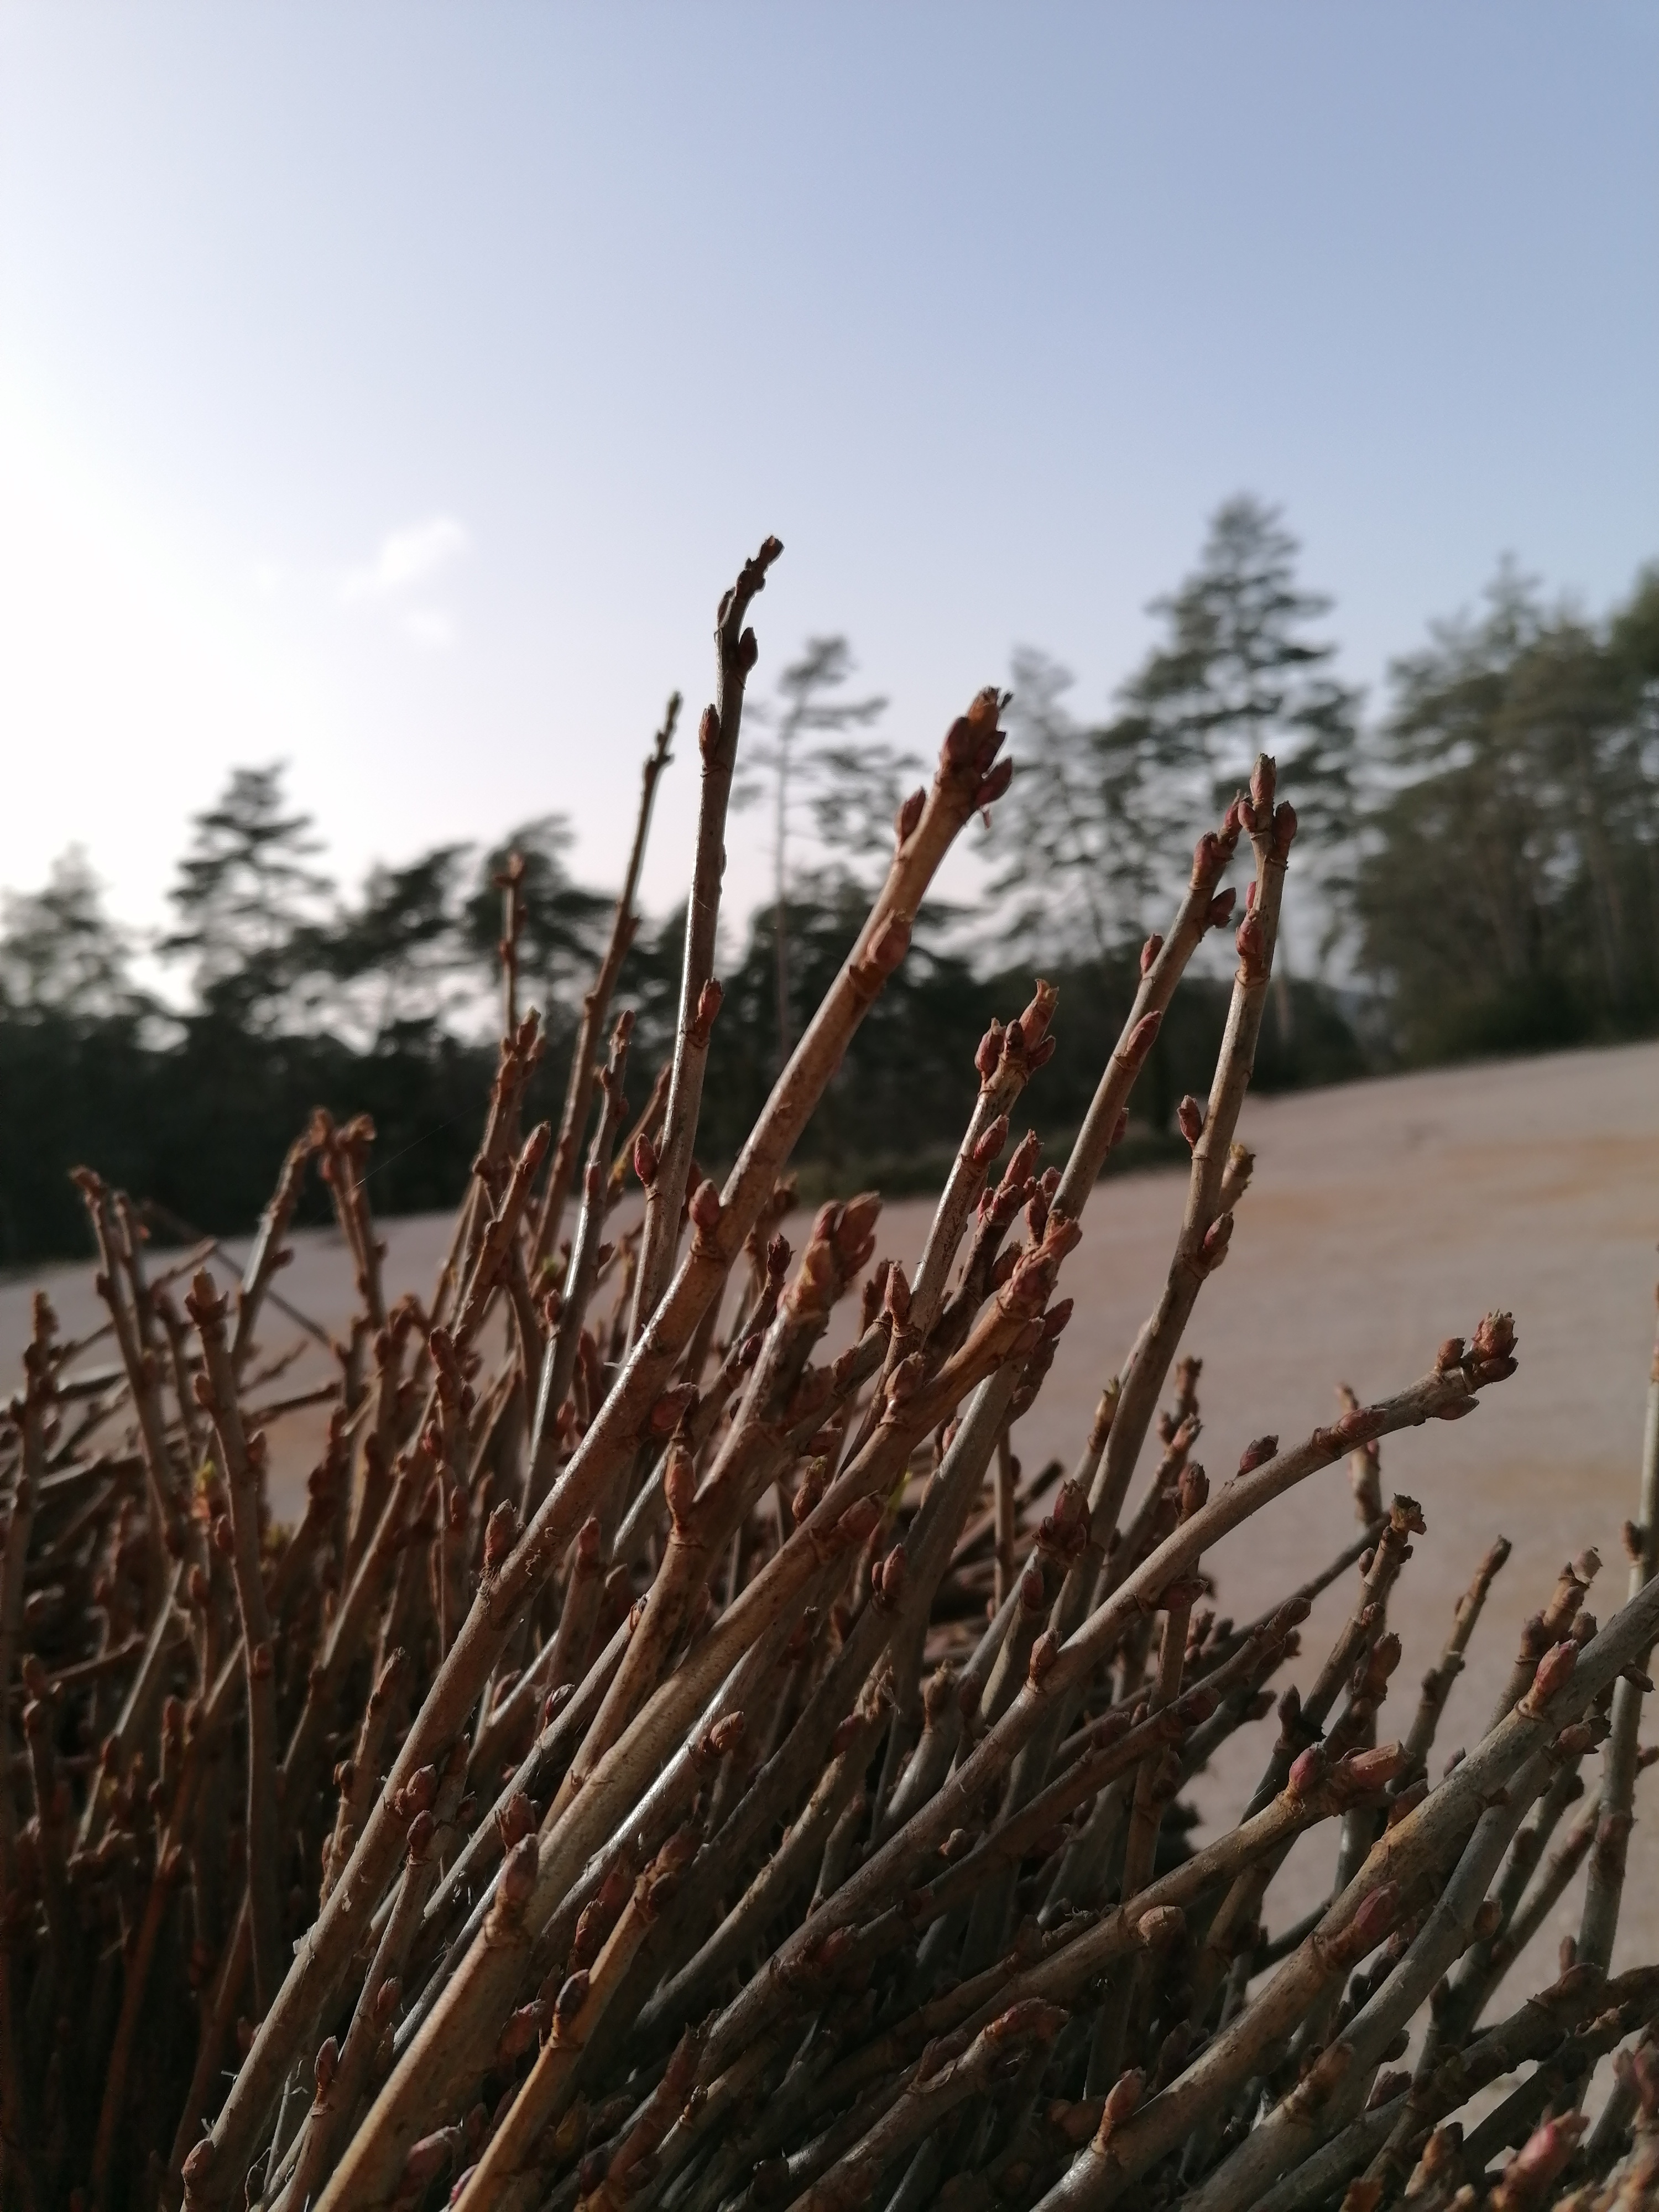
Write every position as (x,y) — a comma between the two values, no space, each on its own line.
(394,388)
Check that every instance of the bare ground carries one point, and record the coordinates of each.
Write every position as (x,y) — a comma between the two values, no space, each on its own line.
(1384,1217)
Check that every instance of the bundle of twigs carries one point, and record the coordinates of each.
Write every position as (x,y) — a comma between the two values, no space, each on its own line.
(667,1766)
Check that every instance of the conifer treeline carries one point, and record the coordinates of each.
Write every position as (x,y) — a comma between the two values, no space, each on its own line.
(1485,845)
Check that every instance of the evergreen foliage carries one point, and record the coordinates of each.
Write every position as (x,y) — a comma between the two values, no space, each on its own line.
(1483,857)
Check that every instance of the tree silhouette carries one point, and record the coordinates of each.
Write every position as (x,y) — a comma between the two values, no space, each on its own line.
(808,710)
(1235,675)
(60,952)
(244,895)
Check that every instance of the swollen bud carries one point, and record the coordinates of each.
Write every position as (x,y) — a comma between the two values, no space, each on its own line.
(679,1486)
(705,1209)
(1495,1337)
(1371,1923)
(888,1581)
(518,1876)
(1139,1042)
(1252,948)
(993,786)
(1555,1670)
(1149,952)
(909,814)
(645,1161)
(671,1408)
(1121,2100)
(988,1145)
(709,1000)
(1217,1237)
(1189,1115)
(1307,1772)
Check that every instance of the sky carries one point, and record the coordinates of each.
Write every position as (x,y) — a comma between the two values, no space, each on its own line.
(394,389)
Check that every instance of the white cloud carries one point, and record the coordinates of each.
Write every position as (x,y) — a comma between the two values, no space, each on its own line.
(406,558)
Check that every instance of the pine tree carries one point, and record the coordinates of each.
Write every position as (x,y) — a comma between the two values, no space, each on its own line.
(244,895)
(60,951)
(808,707)
(1236,675)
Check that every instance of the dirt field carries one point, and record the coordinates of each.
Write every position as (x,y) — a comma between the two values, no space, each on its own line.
(1384,1217)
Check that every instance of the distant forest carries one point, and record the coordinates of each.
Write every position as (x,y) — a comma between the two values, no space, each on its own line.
(1478,872)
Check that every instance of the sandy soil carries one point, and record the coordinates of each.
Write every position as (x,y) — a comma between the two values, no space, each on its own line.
(1384,1217)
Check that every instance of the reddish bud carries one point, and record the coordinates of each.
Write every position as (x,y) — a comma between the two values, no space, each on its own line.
(1554,1671)
(989,1143)
(1033,1023)
(645,1161)
(888,947)
(1307,1772)
(1495,1337)
(1252,948)
(705,1209)
(1409,1801)
(1189,1115)
(523,2027)
(1044,1652)
(909,814)
(679,1486)
(860,1521)
(501,1535)
(1139,1042)
(727,1733)
(905,1380)
(988,1057)
(991,786)
(418,1793)
(973,738)
(1217,1237)
(1369,1925)
(1373,1769)
(1257,1454)
(1121,2101)
(671,1408)
(518,1876)
(888,1580)
(1149,952)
